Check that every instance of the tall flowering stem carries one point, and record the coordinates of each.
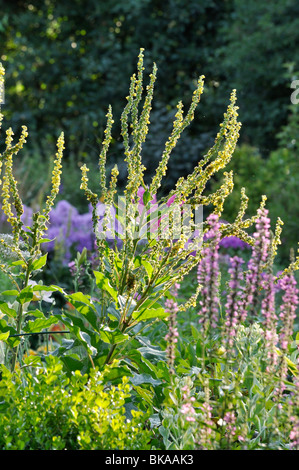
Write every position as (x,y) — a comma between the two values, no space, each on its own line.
(270,321)
(171,306)
(234,312)
(187,408)
(26,242)
(256,263)
(294,415)
(208,277)
(288,309)
(287,316)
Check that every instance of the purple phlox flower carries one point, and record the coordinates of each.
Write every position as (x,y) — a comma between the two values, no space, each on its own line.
(69,229)
(294,434)
(171,200)
(234,243)
(230,421)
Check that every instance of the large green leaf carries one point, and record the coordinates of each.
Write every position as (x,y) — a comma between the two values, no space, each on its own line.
(52,288)
(103,283)
(4,336)
(26,295)
(139,261)
(39,263)
(113,336)
(39,324)
(10,312)
(139,379)
(84,306)
(150,313)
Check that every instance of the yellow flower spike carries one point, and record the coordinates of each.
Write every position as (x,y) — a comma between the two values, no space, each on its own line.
(91,197)
(179,125)
(139,130)
(275,242)
(56,175)
(243,206)
(103,155)
(2,75)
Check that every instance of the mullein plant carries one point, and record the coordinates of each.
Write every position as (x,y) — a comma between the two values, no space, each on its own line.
(152,251)
(22,256)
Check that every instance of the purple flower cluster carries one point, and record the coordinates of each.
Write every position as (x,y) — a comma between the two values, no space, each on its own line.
(68,228)
(234,243)
(251,292)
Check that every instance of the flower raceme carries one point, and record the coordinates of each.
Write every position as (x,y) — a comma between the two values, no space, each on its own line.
(251,292)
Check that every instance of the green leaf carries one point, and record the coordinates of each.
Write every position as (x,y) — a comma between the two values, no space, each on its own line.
(26,295)
(113,336)
(36,313)
(113,312)
(40,287)
(139,261)
(149,314)
(146,197)
(33,361)
(10,292)
(144,365)
(4,308)
(4,336)
(139,379)
(4,328)
(84,306)
(39,324)
(71,363)
(115,374)
(103,283)
(46,240)
(149,351)
(19,262)
(146,394)
(39,263)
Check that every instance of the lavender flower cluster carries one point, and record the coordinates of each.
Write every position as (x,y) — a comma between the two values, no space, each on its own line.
(67,229)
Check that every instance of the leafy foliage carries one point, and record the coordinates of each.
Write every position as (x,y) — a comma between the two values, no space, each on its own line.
(82,414)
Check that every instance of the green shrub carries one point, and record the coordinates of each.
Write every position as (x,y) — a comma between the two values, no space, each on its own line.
(49,411)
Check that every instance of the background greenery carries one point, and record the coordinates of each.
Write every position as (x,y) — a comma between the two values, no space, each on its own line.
(67,61)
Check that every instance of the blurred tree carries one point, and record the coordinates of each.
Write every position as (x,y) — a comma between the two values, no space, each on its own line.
(259,41)
(66,61)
